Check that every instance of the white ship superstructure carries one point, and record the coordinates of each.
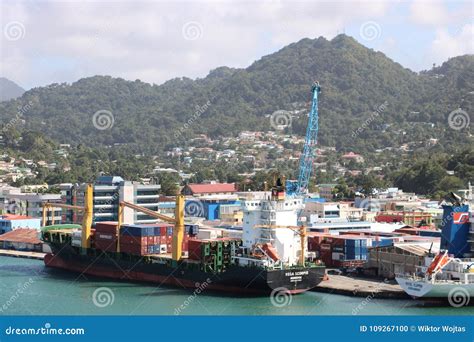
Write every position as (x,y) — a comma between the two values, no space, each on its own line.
(284,242)
(455,276)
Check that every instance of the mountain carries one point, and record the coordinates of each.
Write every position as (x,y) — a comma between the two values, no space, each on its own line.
(368,101)
(9,89)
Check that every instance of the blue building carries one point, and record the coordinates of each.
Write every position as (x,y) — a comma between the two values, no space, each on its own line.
(9,222)
(207,208)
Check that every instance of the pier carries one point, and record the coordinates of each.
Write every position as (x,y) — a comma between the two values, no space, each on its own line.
(361,287)
(22,254)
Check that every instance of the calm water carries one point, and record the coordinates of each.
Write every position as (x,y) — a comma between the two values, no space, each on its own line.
(27,287)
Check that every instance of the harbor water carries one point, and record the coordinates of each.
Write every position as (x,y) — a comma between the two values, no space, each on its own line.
(27,287)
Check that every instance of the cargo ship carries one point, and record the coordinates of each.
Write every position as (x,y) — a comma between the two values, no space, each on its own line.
(449,275)
(443,277)
(270,256)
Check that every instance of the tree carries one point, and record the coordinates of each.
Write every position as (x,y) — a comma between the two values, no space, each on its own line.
(169,182)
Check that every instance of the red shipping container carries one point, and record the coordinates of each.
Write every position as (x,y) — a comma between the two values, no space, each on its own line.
(150,240)
(134,240)
(185,246)
(194,249)
(163,231)
(106,227)
(103,236)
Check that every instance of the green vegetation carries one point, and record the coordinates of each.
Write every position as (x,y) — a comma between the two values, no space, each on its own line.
(368,104)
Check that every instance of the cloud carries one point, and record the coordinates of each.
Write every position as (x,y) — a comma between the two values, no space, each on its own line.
(65,41)
(437,13)
(446,45)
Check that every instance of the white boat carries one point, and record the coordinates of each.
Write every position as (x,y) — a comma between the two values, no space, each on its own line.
(442,277)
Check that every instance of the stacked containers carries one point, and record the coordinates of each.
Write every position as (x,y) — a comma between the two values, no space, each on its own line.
(137,239)
(105,236)
(152,238)
(355,249)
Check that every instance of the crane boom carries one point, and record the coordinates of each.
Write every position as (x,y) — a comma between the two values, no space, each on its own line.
(309,150)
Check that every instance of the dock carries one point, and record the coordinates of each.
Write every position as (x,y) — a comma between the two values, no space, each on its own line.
(361,287)
(22,254)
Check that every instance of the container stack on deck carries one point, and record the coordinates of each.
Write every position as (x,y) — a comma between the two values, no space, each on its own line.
(152,238)
(134,239)
(105,237)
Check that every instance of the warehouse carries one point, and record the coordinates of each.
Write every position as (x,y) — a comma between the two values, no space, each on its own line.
(397,259)
(21,239)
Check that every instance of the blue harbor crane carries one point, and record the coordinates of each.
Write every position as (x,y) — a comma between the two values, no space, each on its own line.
(300,187)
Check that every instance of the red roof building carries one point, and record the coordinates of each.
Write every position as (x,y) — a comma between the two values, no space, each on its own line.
(21,239)
(209,189)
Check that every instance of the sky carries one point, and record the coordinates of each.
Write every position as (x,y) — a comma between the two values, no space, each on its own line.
(44,42)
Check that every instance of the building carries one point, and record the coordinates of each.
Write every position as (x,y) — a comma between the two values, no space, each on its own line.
(231,213)
(209,189)
(325,191)
(414,218)
(9,222)
(22,240)
(353,156)
(15,201)
(398,259)
(31,204)
(109,191)
(209,207)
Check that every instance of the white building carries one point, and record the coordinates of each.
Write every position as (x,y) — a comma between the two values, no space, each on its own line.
(108,192)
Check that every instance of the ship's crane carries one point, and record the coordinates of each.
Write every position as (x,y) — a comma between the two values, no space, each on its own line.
(178,221)
(300,187)
(87,210)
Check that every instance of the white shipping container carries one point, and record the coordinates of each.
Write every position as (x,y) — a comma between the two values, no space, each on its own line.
(207,234)
(337,256)
(77,234)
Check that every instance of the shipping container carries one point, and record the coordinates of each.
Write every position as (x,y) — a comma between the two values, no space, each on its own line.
(134,240)
(106,227)
(137,230)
